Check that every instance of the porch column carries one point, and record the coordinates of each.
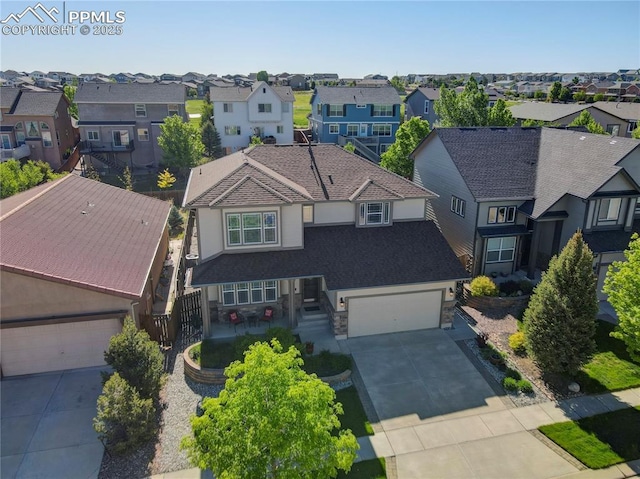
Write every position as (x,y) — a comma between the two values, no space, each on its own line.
(533,253)
(292,303)
(204,304)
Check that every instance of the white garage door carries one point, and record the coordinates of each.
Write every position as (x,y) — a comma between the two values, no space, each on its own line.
(39,349)
(393,313)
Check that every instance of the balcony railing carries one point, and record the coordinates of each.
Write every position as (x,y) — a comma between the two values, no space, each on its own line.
(17,153)
(104,146)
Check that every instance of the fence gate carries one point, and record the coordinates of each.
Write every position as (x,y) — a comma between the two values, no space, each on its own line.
(161,328)
(187,312)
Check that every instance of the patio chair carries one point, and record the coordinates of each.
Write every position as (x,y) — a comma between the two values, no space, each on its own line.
(235,318)
(268,315)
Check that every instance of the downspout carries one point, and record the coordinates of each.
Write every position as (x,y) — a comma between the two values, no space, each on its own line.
(133,313)
(475,236)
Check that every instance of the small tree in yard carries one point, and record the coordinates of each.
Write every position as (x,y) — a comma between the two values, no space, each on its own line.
(554,91)
(137,359)
(349,147)
(585,119)
(176,221)
(408,137)
(126,179)
(622,285)
(636,133)
(271,420)
(165,180)
(560,321)
(124,419)
(211,141)
(180,142)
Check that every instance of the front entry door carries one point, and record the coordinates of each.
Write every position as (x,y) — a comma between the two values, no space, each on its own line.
(363,129)
(310,288)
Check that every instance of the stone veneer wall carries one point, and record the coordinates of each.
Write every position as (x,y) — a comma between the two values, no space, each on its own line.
(489,302)
(448,310)
(339,319)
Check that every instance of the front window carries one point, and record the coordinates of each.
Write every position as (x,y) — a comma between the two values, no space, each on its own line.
(336,110)
(381,130)
(426,106)
(227,107)
(254,292)
(173,109)
(251,228)
(280,129)
(93,135)
(501,250)
(609,209)
(458,206)
(613,129)
(307,213)
(375,213)
(352,130)
(382,110)
(501,214)
(32,129)
(264,107)
(141,110)
(334,129)
(232,130)
(143,134)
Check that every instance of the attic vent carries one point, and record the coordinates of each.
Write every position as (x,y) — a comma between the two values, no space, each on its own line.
(582,138)
(613,142)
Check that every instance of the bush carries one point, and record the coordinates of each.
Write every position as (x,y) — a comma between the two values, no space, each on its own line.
(176,221)
(124,420)
(509,287)
(326,363)
(525,386)
(242,343)
(137,359)
(517,342)
(526,286)
(510,384)
(512,373)
(483,286)
(284,336)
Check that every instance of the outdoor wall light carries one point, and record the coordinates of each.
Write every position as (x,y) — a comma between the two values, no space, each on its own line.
(451,292)
(342,302)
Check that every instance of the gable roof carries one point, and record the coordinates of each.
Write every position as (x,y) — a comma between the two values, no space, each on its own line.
(531,110)
(130,93)
(37,103)
(359,95)
(285,173)
(115,235)
(234,93)
(430,93)
(8,96)
(624,110)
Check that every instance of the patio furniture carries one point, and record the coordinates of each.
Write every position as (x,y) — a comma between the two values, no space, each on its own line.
(235,318)
(268,315)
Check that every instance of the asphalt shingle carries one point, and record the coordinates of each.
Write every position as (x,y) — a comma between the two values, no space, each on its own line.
(131,93)
(342,95)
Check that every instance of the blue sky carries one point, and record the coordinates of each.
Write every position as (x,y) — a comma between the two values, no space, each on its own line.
(349,38)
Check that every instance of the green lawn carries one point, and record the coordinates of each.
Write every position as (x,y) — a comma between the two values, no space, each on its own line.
(371,469)
(611,368)
(194,106)
(602,440)
(301,108)
(354,417)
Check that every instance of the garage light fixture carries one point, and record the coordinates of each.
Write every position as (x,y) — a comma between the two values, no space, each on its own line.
(342,302)
(451,292)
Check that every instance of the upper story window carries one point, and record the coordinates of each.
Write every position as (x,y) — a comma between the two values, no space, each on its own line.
(632,126)
(285,107)
(307,213)
(264,107)
(46,139)
(458,206)
(381,129)
(44,126)
(319,109)
(173,109)
(32,129)
(501,214)
(227,107)
(336,110)
(143,134)
(426,106)
(382,110)
(141,110)
(375,213)
(609,210)
(93,135)
(231,130)
(251,228)
(20,137)
(613,129)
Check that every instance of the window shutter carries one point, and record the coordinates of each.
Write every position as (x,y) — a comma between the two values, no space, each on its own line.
(344,110)
(328,109)
(372,110)
(394,110)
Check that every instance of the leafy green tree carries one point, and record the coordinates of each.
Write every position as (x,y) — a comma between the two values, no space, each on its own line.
(124,420)
(598,97)
(206,114)
(575,80)
(560,321)
(256,140)
(636,133)
(271,420)
(565,94)
(262,76)
(15,178)
(585,119)
(622,285)
(137,359)
(554,91)
(180,142)
(165,179)
(579,96)
(500,115)
(539,95)
(530,123)
(91,173)
(349,147)
(408,137)
(176,221)
(126,179)
(211,141)
(397,83)
(70,94)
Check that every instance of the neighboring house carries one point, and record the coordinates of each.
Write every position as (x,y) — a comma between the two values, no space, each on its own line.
(37,125)
(510,198)
(77,257)
(120,123)
(290,225)
(626,115)
(297,82)
(123,77)
(367,117)
(259,110)
(420,102)
(170,77)
(193,76)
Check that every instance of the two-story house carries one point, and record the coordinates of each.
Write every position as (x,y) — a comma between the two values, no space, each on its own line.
(37,125)
(420,102)
(260,110)
(510,198)
(368,117)
(297,224)
(120,123)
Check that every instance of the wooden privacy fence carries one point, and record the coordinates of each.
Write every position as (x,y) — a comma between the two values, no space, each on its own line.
(187,309)
(162,328)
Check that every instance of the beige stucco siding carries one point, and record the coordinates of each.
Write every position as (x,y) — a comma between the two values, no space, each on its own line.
(210,232)
(409,209)
(336,212)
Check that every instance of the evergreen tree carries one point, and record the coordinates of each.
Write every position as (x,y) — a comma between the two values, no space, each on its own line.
(560,321)
(126,179)
(211,141)
(176,221)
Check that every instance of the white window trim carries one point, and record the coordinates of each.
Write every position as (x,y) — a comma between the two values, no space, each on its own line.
(632,125)
(336,126)
(145,136)
(458,205)
(379,125)
(96,136)
(341,111)
(176,110)
(234,288)
(228,130)
(45,141)
(609,220)
(385,213)
(352,125)
(386,110)
(500,249)
(279,129)
(305,217)
(426,107)
(508,211)
(137,109)
(264,107)
(227,107)
(242,229)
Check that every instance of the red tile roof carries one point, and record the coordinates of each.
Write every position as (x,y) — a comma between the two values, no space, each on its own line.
(83,232)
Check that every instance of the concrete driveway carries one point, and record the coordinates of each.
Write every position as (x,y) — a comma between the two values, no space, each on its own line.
(47,425)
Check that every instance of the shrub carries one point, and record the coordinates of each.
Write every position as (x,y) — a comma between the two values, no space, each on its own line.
(510,384)
(176,221)
(137,359)
(512,373)
(124,420)
(526,286)
(517,342)
(326,363)
(242,343)
(483,286)
(284,336)
(525,386)
(509,287)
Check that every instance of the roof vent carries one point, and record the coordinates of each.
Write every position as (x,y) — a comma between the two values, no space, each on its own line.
(84,212)
(613,142)
(582,138)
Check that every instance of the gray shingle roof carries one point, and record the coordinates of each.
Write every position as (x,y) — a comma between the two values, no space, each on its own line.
(131,93)
(37,103)
(342,95)
(626,111)
(8,96)
(286,169)
(530,110)
(614,240)
(420,254)
(234,93)
(494,162)
(430,93)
